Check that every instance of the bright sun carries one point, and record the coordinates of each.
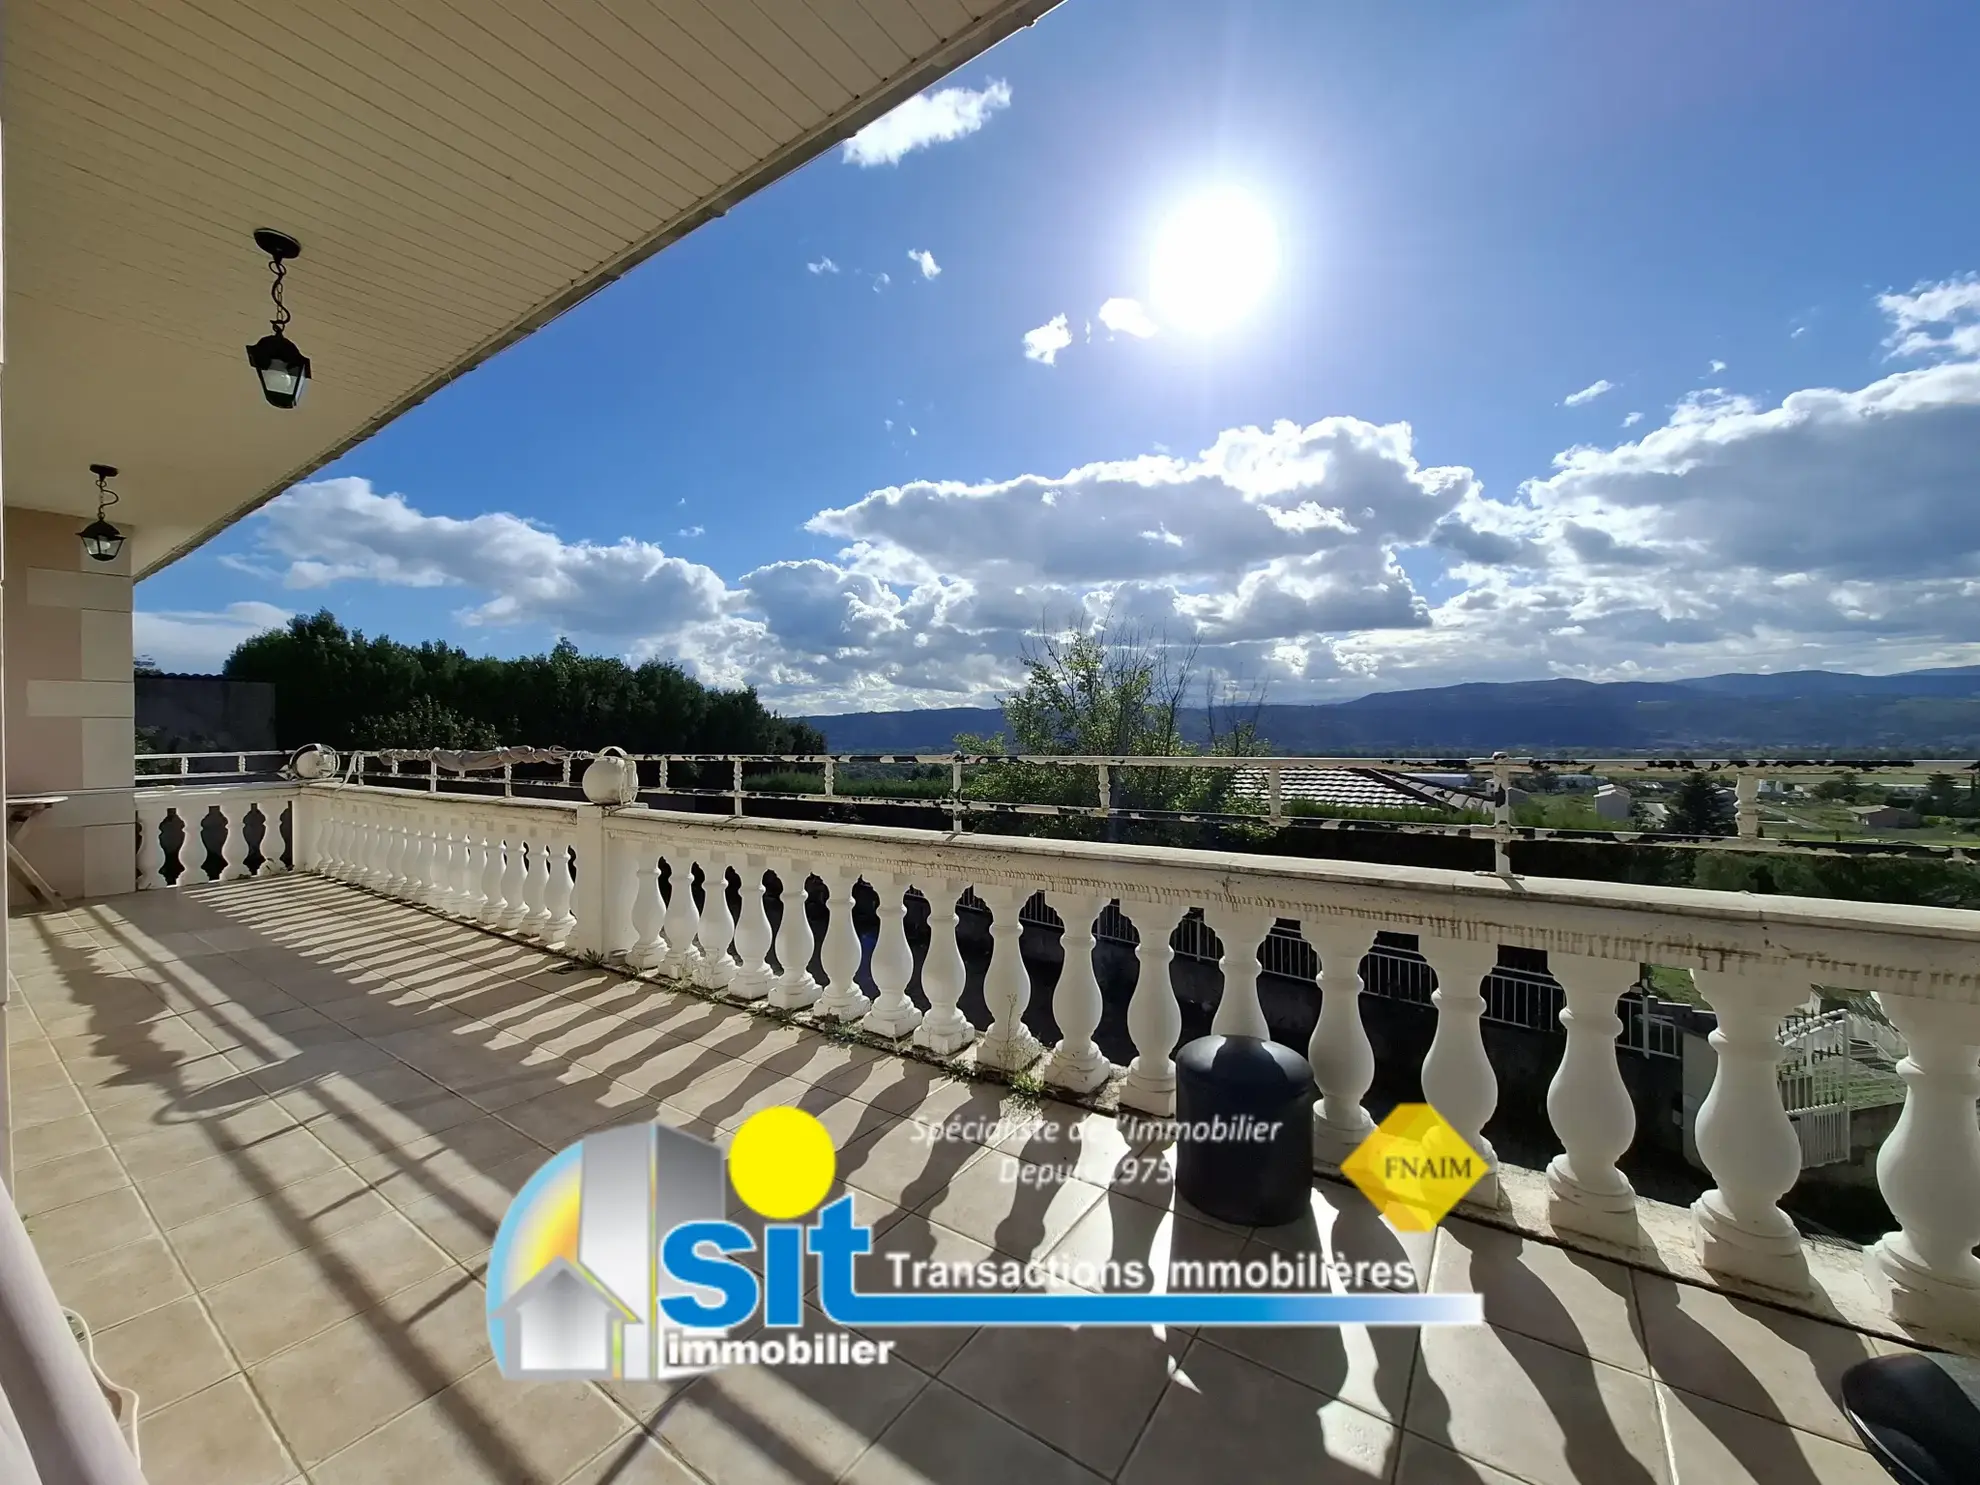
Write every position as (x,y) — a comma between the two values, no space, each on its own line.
(1214,261)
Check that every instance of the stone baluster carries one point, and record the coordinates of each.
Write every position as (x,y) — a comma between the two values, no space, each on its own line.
(387,856)
(1744,1135)
(945,1030)
(796,987)
(272,814)
(1241,931)
(1457,1075)
(515,884)
(491,864)
(537,924)
(345,862)
(447,864)
(615,898)
(1154,1018)
(558,920)
(893,1014)
(716,968)
(683,919)
(1929,1172)
(426,871)
(330,848)
(1008,1044)
(649,911)
(233,843)
(1343,1062)
(150,849)
(408,844)
(467,873)
(1589,1105)
(753,973)
(1077,1063)
(370,841)
(843,1000)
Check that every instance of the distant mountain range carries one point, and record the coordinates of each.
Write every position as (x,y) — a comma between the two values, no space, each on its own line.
(1921,712)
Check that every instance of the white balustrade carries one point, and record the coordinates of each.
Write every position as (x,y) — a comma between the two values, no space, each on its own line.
(1929,1172)
(1077,1062)
(796,988)
(507,864)
(843,1000)
(1458,1081)
(683,918)
(1343,1061)
(649,911)
(754,976)
(558,920)
(944,1030)
(893,1014)
(716,968)
(1154,1018)
(1007,1044)
(1241,931)
(1745,1137)
(1590,1105)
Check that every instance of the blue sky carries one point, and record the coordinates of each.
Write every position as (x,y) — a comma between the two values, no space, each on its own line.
(1753,221)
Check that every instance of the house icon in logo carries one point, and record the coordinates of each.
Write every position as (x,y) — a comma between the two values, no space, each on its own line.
(574,1280)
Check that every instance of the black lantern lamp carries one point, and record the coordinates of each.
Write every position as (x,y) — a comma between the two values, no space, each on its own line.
(99,538)
(283,369)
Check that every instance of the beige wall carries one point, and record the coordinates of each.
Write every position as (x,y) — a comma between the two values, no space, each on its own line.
(68,703)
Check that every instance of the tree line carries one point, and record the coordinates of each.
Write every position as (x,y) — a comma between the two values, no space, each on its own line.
(343,688)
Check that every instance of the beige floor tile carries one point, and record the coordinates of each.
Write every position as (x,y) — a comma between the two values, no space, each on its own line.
(901,1164)
(216,1437)
(166,1354)
(1425,1463)
(1571,1300)
(118,1285)
(729,1096)
(1224,1418)
(784,1047)
(334,1388)
(242,1238)
(1122,1231)
(1368,1366)
(348,1273)
(558,1118)
(785,1426)
(1340,1222)
(386,1086)
(464,1222)
(35,1077)
(944,1438)
(1780,1366)
(635,1460)
(1550,1416)
(847,1120)
(359,1131)
(999,1200)
(1088,1393)
(173,1146)
(484,1428)
(1717,1445)
(29,1105)
(658,1067)
(46,1188)
(86,1228)
(222,1181)
(55,1141)
(904,1242)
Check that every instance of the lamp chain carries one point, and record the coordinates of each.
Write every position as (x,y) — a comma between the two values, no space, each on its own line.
(105,497)
(281,271)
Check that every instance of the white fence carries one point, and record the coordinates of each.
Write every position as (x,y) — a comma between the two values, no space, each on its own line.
(618,883)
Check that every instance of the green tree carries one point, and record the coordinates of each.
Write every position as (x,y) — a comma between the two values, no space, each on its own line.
(1112,691)
(1845,787)
(427,724)
(1702,806)
(1941,794)
(337,686)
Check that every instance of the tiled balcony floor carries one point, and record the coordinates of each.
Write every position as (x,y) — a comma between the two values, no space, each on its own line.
(265,1133)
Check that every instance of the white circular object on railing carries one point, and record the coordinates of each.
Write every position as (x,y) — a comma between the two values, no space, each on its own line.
(612,778)
(314,762)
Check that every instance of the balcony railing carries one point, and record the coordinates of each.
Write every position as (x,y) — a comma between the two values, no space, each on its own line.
(608,883)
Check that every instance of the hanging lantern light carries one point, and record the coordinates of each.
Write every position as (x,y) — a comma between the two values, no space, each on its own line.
(99,538)
(283,369)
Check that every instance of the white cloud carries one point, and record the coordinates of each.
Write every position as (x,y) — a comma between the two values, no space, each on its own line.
(1047,340)
(1632,420)
(925,261)
(880,281)
(1127,317)
(1588,393)
(691,531)
(198,642)
(926,119)
(1951,308)
(823,265)
(1716,367)
(340,530)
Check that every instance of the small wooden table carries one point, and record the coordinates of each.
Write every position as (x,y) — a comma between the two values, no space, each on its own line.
(19,812)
